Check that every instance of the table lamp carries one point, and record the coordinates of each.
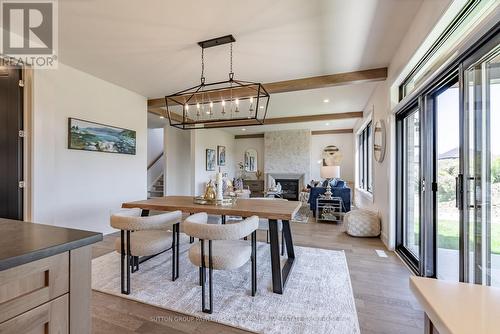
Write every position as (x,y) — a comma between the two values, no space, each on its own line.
(328,173)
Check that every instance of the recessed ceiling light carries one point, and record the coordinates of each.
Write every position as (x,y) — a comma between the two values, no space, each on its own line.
(243,129)
(261,107)
(327,124)
(162,116)
(326,100)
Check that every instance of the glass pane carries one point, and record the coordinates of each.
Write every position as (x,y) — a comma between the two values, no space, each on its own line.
(447,164)
(411,183)
(493,189)
(370,158)
(483,103)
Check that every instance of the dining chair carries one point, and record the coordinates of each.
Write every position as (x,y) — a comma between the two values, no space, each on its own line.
(145,237)
(221,248)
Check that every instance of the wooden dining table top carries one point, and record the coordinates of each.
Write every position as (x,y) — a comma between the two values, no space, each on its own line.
(264,208)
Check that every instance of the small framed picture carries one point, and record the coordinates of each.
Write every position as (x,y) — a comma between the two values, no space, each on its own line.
(221,155)
(210,159)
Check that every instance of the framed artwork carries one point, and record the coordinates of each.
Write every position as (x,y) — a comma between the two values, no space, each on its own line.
(210,159)
(91,136)
(221,155)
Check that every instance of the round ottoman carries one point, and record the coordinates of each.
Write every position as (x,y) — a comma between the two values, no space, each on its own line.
(362,223)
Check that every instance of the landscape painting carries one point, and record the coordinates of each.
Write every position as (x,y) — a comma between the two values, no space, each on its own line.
(90,136)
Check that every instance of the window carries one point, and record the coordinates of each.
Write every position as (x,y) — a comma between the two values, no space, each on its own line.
(466,19)
(365,158)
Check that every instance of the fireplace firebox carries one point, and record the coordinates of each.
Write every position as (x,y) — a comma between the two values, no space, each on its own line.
(290,188)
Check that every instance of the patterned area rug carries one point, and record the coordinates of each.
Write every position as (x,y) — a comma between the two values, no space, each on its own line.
(302,216)
(318,297)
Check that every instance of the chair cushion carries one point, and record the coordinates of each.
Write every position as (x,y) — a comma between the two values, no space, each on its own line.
(226,254)
(145,243)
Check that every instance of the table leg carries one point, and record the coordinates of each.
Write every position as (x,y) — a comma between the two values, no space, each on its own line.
(428,326)
(280,276)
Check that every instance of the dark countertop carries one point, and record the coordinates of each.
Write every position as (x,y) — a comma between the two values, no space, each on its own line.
(23,242)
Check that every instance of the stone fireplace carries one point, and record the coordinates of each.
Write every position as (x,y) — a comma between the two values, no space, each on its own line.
(287,157)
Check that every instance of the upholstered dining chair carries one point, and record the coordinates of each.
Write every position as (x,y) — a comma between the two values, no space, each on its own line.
(145,237)
(221,248)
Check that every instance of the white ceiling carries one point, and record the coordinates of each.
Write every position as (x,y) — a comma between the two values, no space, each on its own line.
(150,46)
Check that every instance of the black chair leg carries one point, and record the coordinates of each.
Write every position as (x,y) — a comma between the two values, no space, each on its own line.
(125,267)
(122,262)
(177,252)
(174,248)
(203,274)
(254,263)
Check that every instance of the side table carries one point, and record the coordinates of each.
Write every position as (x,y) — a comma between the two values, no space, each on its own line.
(330,209)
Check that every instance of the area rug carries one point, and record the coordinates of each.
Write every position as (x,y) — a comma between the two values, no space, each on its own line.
(302,216)
(318,297)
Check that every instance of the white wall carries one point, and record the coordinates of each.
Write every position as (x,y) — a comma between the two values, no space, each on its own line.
(155,148)
(247,143)
(345,143)
(80,189)
(200,141)
(380,199)
(178,161)
(379,107)
(155,143)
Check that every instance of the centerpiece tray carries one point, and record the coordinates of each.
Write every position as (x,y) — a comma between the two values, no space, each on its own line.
(225,201)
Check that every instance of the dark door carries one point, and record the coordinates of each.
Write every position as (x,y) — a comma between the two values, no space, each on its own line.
(11,147)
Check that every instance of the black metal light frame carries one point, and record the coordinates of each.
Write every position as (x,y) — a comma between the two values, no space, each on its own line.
(190,97)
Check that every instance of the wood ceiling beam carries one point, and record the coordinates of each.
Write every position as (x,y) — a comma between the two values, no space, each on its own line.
(331,132)
(293,119)
(256,135)
(314,133)
(338,79)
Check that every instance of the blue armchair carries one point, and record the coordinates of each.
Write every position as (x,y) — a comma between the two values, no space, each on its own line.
(339,189)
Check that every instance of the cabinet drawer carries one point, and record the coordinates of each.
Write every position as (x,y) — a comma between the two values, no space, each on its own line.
(32,284)
(49,318)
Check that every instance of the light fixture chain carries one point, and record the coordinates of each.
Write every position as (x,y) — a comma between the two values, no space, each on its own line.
(231,73)
(202,66)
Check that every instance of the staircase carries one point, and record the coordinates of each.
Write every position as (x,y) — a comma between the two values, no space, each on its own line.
(156,189)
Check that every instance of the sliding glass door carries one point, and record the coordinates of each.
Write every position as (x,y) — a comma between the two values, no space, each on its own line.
(482,186)
(448,171)
(446,162)
(409,187)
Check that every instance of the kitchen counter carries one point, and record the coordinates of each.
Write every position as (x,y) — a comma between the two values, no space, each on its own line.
(45,278)
(23,242)
(457,308)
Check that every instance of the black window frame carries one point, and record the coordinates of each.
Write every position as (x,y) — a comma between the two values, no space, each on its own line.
(365,158)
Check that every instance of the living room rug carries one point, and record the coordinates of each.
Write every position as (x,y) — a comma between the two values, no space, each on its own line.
(318,297)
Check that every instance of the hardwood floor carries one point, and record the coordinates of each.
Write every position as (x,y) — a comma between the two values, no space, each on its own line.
(384,301)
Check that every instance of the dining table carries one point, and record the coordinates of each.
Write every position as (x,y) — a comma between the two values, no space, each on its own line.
(274,211)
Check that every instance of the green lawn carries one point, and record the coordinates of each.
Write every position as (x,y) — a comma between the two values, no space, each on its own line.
(448,235)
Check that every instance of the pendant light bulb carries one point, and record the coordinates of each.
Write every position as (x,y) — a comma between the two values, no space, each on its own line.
(237,102)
